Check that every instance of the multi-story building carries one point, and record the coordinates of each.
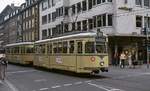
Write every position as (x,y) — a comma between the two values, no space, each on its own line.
(122,20)
(8,25)
(30,17)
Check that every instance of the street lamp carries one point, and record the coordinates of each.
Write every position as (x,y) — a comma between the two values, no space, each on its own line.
(147,40)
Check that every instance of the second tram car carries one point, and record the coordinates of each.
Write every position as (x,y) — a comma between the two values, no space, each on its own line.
(20,53)
(80,53)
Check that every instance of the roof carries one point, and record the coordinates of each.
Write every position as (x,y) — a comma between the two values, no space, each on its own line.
(88,34)
(22,43)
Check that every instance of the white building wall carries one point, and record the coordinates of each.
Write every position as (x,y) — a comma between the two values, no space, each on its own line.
(124,21)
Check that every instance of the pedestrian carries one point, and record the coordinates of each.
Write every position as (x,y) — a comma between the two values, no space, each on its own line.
(130,60)
(122,60)
(3,66)
(140,58)
(133,60)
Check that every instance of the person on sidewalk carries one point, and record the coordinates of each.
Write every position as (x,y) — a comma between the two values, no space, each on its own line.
(122,60)
(3,66)
(130,60)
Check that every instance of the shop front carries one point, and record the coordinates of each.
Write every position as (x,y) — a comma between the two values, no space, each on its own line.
(129,45)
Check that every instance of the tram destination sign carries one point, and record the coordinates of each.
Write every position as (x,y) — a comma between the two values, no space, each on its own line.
(100,37)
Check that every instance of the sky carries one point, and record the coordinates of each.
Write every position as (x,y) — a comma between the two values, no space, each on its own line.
(4,3)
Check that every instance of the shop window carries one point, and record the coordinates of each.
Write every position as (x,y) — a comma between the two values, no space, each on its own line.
(79,47)
(138,21)
(71,49)
(84,5)
(89,47)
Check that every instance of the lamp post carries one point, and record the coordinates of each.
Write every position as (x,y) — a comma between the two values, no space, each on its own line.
(147,40)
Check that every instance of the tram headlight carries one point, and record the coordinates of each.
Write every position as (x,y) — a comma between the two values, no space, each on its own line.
(101,63)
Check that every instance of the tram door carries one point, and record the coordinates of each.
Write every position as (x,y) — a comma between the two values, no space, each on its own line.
(79,54)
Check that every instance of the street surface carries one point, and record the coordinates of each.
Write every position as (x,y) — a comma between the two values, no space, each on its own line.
(29,79)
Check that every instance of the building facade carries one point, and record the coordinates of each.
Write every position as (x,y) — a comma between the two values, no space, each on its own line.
(9,25)
(29,20)
(122,20)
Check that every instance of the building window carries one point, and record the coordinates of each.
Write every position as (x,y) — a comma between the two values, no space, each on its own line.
(53,16)
(73,9)
(138,21)
(90,4)
(125,1)
(138,2)
(44,34)
(90,22)
(109,0)
(49,17)
(84,5)
(110,20)
(79,26)
(99,1)
(104,19)
(84,25)
(44,19)
(146,3)
(66,11)
(49,32)
(103,1)
(94,2)
(66,28)
(99,21)
(78,7)
(73,26)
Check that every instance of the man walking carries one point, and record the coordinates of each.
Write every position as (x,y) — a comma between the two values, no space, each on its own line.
(3,66)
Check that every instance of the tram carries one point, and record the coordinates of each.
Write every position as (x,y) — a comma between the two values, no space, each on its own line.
(20,53)
(79,53)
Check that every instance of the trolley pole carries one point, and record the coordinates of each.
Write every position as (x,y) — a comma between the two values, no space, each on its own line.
(147,43)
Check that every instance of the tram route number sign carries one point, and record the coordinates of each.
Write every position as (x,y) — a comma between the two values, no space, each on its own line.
(59,60)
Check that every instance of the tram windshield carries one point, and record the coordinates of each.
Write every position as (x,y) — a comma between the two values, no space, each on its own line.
(101,47)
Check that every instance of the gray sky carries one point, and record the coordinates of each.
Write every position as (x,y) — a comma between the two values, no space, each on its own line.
(4,3)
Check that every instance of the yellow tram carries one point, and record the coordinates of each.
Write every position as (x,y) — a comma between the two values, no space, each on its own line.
(80,53)
(20,53)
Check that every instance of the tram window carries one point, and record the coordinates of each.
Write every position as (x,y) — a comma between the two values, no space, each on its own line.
(23,49)
(55,47)
(65,47)
(60,49)
(16,50)
(29,49)
(43,48)
(49,48)
(101,48)
(79,47)
(71,49)
(89,47)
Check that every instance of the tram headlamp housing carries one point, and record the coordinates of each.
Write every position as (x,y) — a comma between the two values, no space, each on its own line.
(101,63)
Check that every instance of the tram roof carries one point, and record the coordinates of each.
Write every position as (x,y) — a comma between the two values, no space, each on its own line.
(89,34)
(22,43)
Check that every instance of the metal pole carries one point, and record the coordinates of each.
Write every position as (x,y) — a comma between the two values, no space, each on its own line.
(147,40)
